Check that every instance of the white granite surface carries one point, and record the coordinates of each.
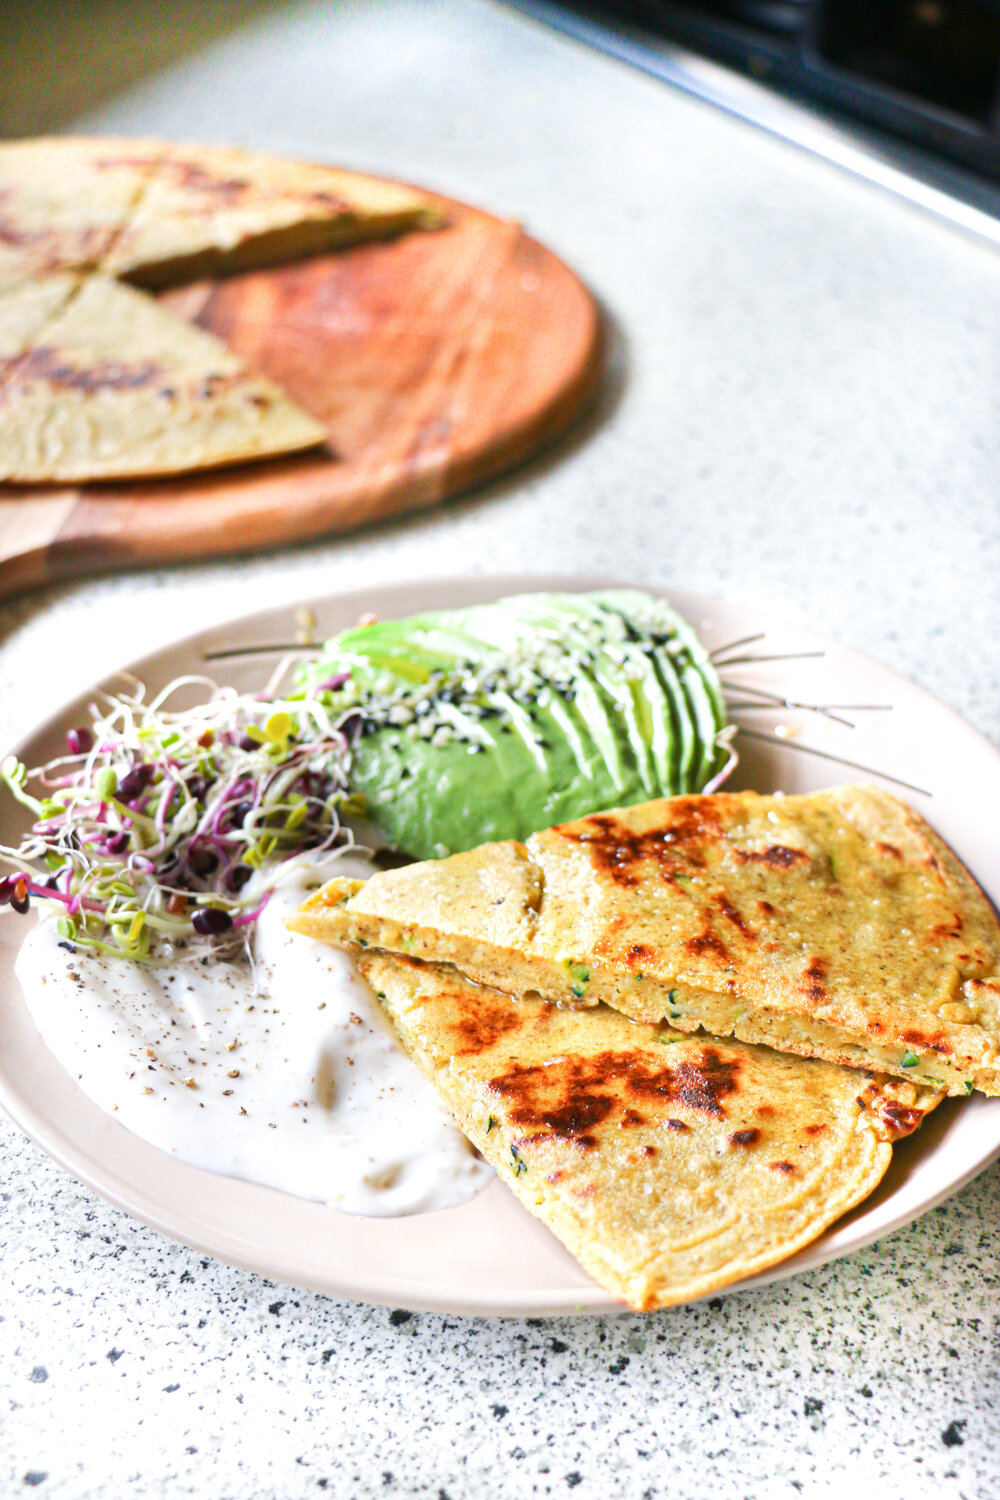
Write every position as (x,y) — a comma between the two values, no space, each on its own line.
(803,412)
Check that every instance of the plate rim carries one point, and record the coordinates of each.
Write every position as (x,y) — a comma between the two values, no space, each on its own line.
(103,1178)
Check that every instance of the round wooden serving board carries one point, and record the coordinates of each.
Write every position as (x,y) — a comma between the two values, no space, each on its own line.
(436,360)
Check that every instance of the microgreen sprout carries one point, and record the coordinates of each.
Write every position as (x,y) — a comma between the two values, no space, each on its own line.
(149,829)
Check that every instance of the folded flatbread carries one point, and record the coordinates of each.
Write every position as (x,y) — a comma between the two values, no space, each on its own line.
(834,925)
(112,385)
(669,1165)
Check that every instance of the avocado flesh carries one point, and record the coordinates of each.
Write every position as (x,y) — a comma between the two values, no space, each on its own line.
(557,705)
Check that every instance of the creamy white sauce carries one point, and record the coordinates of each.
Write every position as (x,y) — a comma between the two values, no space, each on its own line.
(300,1085)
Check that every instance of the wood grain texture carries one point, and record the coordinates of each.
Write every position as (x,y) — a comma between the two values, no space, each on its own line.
(435,361)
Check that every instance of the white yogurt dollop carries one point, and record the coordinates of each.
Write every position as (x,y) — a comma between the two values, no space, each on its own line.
(300,1086)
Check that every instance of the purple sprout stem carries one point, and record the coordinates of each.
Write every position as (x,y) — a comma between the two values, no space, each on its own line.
(245,918)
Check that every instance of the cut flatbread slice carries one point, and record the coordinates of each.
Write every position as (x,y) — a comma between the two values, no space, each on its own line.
(834,925)
(668,1165)
(98,384)
(156,213)
(27,307)
(112,386)
(206,210)
(63,202)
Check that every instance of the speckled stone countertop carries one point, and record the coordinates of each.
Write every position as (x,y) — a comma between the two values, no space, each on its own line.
(803,413)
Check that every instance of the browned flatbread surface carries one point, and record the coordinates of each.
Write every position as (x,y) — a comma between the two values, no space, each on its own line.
(834,925)
(156,211)
(669,1165)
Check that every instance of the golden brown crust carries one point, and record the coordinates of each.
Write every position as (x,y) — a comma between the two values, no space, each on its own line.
(835,925)
(669,1165)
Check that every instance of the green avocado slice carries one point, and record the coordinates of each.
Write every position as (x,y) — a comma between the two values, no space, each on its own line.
(500,719)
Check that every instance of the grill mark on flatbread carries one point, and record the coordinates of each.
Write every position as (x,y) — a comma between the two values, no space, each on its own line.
(57,370)
(707,942)
(775,857)
(734,915)
(621,853)
(483,1018)
(900,1119)
(639,1147)
(812,981)
(570,1097)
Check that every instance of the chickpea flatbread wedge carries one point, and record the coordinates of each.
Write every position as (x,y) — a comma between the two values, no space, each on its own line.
(669,1165)
(113,386)
(64,201)
(834,925)
(210,210)
(156,212)
(96,381)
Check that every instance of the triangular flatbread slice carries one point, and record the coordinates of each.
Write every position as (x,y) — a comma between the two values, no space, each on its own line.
(668,1165)
(155,213)
(834,925)
(208,210)
(28,305)
(112,386)
(63,202)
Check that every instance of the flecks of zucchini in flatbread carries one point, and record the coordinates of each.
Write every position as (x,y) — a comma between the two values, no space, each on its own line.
(835,925)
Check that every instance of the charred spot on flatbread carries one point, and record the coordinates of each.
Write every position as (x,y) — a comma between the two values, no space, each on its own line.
(639,1148)
(776,920)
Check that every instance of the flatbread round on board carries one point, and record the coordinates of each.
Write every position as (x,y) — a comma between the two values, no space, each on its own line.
(96,381)
(669,1165)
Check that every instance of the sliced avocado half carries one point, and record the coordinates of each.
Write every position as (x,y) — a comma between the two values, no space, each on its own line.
(494,721)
